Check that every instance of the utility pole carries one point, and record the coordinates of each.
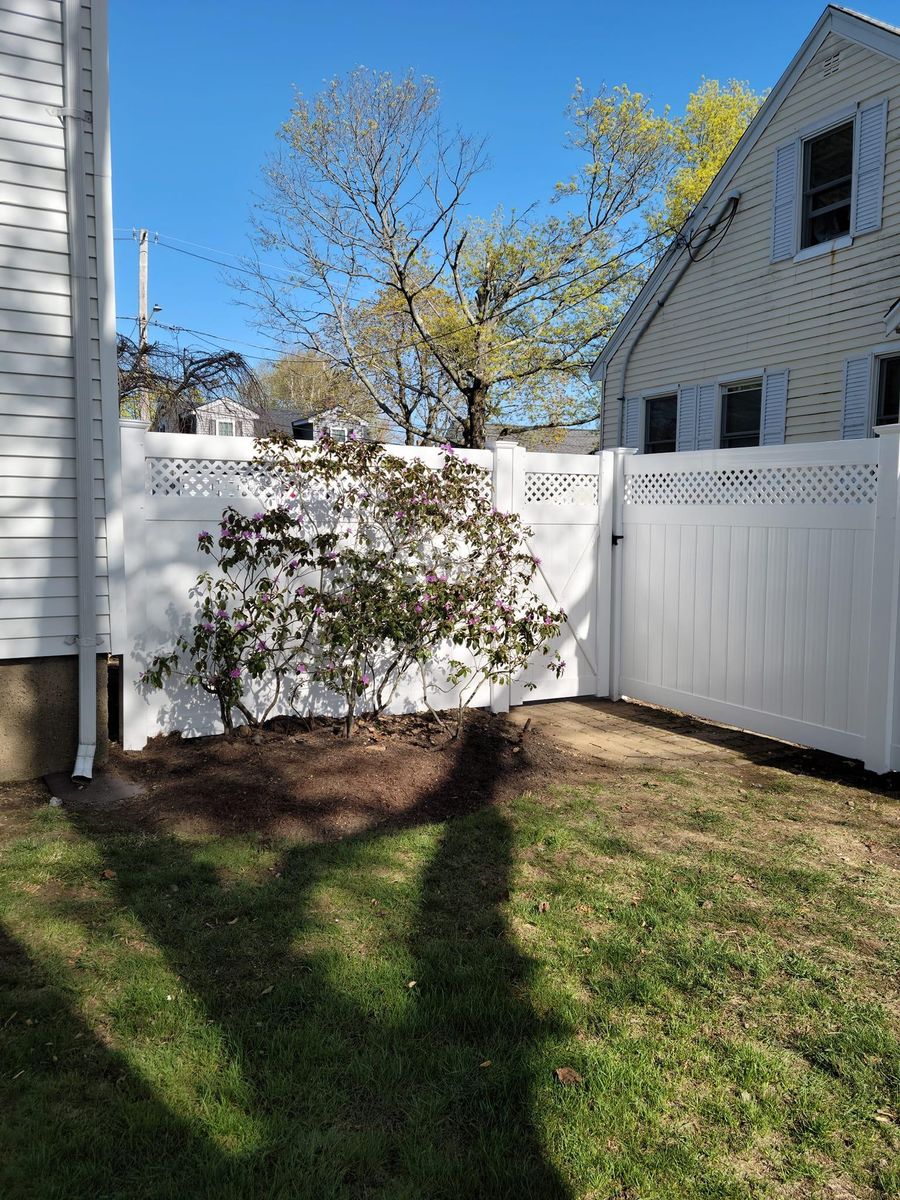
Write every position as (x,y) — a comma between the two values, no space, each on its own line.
(143,317)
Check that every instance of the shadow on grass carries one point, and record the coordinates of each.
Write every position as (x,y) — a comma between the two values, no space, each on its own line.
(315,1069)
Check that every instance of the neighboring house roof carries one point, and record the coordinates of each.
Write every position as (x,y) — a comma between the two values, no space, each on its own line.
(553,441)
(281,420)
(225,406)
(854,27)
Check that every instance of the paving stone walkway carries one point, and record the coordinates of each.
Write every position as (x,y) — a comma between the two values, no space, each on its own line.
(623,734)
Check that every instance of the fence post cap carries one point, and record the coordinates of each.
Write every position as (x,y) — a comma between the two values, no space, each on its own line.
(126,423)
(887,430)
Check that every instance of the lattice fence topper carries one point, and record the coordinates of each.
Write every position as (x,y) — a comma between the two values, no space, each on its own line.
(203,478)
(557,487)
(824,483)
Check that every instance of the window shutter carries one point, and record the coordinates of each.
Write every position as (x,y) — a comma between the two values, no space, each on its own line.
(871,129)
(774,404)
(686,428)
(632,422)
(784,209)
(855,419)
(706,416)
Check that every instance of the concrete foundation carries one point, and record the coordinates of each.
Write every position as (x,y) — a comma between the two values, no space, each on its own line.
(39,716)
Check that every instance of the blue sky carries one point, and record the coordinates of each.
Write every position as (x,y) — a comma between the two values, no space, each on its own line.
(199,87)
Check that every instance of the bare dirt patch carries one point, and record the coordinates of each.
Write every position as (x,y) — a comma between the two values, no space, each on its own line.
(288,780)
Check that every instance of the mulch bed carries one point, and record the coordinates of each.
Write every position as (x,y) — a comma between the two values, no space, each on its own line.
(288,780)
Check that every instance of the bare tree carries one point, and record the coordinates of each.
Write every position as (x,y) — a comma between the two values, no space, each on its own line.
(365,201)
(164,383)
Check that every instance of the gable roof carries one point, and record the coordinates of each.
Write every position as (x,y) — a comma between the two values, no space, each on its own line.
(224,404)
(846,23)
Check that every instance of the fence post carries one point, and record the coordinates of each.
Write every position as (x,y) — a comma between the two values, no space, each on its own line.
(616,537)
(879,726)
(605,500)
(509,496)
(133,454)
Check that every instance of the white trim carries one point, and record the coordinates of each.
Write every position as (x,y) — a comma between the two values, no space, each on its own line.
(106,295)
(892,318)
(877,356)
(839,116)
(839,243)
(851,26)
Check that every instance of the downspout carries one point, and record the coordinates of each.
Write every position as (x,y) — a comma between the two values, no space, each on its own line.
(74,118)
(728,207)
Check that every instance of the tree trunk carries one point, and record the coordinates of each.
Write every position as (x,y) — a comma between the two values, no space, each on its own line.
(477,406)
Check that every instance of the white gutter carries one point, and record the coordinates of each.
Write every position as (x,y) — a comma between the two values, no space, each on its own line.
(74,118)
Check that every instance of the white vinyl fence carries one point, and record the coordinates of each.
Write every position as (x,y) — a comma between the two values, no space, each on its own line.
(178,484)
(754,587)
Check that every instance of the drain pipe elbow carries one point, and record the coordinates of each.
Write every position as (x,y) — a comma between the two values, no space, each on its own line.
(83,771)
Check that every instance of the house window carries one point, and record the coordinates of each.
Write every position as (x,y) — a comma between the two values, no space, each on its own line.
(337,433)
(225,428)
(887,410)
(660,419)
(827,185)
(741,414)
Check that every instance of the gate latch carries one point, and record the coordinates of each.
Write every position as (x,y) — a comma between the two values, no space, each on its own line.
(617,537)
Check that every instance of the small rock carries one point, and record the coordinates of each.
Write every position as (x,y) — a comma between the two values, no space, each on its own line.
(55,802)
(257,740)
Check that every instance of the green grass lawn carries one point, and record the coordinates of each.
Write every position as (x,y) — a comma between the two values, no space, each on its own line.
(243,1016)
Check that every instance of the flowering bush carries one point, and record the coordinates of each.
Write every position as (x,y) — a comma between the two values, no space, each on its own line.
(371,566)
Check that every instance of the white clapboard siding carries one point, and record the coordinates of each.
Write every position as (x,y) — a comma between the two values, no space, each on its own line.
(737,311)
(38,547)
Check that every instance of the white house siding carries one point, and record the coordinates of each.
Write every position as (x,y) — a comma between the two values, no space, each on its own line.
(737,311)
(38,548)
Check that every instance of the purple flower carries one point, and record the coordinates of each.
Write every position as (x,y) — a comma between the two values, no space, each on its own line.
(234,673)
(301,590)
(259,516)
(354,435)
(447,448)
(261,644)
(247,534)
(418,608)
(365,678)
(264,597)
(548,620)
(536,561)
(430,578)
(223,612)
(209,627)
(204,533)
(319,611)
(293,564)
(300,669)
(241,626)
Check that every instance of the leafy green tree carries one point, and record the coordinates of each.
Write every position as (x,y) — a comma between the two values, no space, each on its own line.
(366,200)
(443,316)
(714,118)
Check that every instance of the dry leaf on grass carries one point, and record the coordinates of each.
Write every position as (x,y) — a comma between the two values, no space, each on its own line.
(567,1075)
(109,873)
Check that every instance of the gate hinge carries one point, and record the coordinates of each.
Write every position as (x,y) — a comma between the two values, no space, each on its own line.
(617,537)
